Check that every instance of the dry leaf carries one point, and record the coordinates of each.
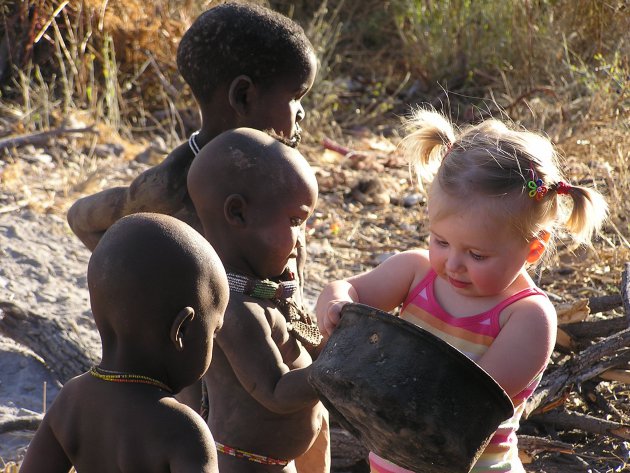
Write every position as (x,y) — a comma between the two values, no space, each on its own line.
(573,312)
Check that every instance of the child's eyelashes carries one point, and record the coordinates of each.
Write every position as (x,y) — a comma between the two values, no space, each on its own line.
(477,257)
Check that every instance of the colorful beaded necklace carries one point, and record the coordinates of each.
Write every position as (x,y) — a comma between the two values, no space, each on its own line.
(252,457)
(261,288)
(119,377)
(280,293)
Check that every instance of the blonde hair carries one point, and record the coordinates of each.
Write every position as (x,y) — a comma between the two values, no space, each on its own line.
(491,160)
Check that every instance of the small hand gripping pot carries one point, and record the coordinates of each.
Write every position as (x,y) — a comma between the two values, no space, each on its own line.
(407,395)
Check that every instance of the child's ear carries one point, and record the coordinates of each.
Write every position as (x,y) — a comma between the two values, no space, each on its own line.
(538,246)
(240,93)
(235,210)
(180,325)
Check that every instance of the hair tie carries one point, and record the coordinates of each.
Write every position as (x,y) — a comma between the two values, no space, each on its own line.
(537,189)
(562,188)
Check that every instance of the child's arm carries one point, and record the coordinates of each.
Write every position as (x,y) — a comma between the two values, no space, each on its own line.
(384,287)
(523,347)
(160,189)
(189,442)
(270,365)
(45,453)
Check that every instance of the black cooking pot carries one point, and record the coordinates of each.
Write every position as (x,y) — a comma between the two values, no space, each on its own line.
(406,394)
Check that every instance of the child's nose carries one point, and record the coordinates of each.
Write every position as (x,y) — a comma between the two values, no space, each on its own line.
(453,262)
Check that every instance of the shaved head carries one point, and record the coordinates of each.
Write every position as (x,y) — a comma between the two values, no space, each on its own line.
(247,162)
(149,264)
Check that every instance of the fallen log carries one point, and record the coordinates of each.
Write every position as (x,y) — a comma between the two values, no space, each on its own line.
(58,345)
(21,423)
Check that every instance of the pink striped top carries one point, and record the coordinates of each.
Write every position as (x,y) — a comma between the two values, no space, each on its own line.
(471,335)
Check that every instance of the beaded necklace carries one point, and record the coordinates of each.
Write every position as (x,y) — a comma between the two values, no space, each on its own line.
(299,323)
(119,377)
(252,457)
(261,288)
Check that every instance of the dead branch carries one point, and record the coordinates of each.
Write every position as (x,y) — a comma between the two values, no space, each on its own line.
(592,329)
(609,353)
(604,303)
(568,420)
(21,423)
(41,137)
(60,347)
(625,290)
(534,445)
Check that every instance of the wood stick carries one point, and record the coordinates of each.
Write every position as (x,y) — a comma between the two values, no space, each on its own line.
(592,329)
(604,303)
(625,290)
(60,347)
(568,420)
(41,137)
(585,365)
(531,443)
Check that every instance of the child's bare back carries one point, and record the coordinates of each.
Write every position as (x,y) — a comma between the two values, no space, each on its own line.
(106,427)
(158,292)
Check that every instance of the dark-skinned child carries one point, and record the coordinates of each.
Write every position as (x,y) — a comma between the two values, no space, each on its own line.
(253,194)
(247,66)
(158,292)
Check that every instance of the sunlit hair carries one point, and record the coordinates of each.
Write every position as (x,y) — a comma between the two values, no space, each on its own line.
(493,161)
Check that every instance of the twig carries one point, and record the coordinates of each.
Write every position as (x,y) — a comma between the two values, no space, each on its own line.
(625,290)
(530,443)
(41,137)
(567,420)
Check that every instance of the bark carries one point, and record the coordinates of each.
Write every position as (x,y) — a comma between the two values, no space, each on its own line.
(59,346)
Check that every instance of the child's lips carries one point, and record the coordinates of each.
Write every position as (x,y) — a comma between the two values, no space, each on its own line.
(457,282)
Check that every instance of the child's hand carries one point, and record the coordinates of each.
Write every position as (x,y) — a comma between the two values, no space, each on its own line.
(328,323)
(328,308)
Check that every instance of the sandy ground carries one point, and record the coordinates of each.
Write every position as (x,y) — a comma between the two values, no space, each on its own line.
(42,268)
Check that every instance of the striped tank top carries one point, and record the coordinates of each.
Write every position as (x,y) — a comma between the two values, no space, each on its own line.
(471,335)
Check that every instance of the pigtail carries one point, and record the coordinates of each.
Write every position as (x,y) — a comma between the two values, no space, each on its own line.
(429,137)
(588,213)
